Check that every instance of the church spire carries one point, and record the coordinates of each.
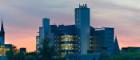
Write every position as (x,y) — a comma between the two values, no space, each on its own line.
(2,34)
(2,26)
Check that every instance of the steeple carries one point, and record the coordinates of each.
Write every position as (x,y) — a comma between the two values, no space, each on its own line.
(2,26)
(2,34)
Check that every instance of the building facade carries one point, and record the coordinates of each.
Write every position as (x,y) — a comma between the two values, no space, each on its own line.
(103,40)
(68,40)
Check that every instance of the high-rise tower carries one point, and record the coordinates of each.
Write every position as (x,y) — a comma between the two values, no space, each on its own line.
(46,26)
(82,21)
(2,34)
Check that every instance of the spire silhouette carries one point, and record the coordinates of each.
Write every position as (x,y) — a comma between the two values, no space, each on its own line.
(2,34)
(2,26)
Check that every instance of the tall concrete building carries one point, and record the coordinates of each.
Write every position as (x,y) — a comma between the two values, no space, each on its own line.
(82,21)
(2,35)
(46,26)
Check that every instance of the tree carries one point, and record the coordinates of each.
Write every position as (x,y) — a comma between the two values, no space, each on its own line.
(31,56)
(46,51)
(11,54)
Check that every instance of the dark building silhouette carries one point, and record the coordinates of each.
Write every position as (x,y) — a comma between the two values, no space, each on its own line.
(46,26)
(103,40)
(43,33)
(22,50)
(2,34)
(79,39)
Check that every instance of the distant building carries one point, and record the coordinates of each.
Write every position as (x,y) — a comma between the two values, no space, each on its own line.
(80,40)
(22,50)
(40,39)
(82,22)
(2,35)
(5,48)
(22,53)
(46,26)
(103,40)
(43,33)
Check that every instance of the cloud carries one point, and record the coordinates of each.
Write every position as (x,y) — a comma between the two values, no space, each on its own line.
(125,3)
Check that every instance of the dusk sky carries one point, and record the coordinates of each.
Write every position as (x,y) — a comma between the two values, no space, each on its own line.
(23,17)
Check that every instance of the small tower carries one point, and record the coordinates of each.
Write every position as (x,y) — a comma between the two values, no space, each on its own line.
(2,34)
